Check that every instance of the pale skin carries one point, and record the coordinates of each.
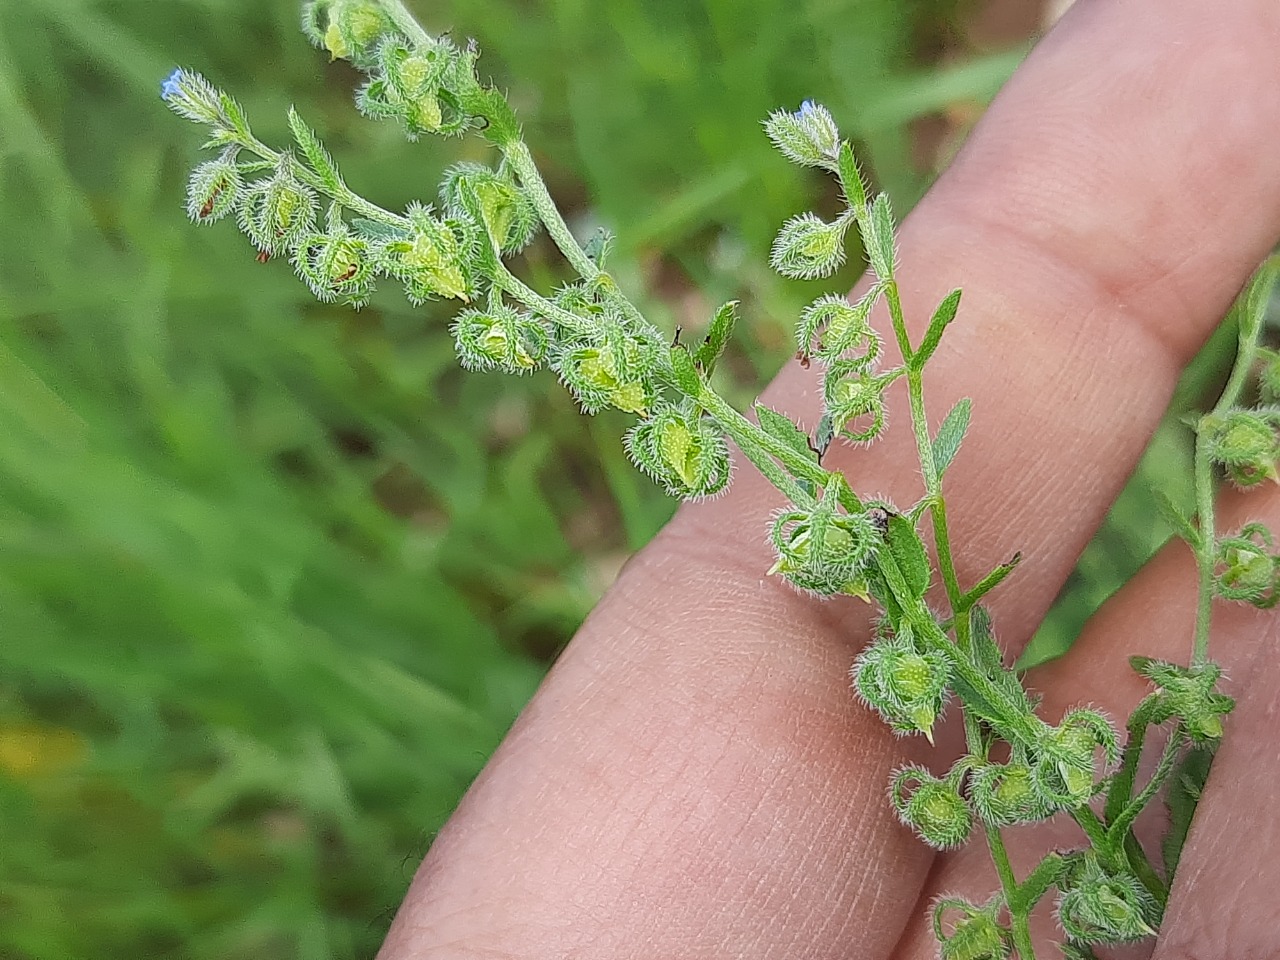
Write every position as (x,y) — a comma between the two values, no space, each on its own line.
(695,779)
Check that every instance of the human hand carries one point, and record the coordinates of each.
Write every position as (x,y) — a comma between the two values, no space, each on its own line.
(695,778)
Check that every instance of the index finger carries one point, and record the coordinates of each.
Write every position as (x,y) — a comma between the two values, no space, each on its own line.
(694,778)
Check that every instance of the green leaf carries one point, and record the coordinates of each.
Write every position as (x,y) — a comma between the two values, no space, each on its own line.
(992,579)
(825,433)
(376,230)
(1182,797)
(599,247)
(721,329)
(1176,519)
(909,553)
(878,238)
(686,374)
(986,651)
(947,443)
(943,316)
(851,180)
(782,429)
(314,152)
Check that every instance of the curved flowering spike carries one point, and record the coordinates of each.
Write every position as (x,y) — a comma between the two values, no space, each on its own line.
(853,393)
(612,372)
(682,450)
(907,688)
(1246,569)
(965,931)
(214,189)
(499,338)
(1006,794)
(807,247)
(336,265)
(808,137)
(1188,693)
(822,549)
(277,212)
(842,326)
(1101,907)
(436,258)
(933,808)
(1065,768)
(1245,445)
(506,211)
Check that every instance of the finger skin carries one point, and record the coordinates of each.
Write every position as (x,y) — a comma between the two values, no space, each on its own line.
(694,779)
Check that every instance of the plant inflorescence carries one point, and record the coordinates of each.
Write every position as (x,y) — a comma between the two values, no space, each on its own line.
(828,540)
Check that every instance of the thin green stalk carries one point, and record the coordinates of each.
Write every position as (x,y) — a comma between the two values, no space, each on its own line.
(517,154)
(406,22)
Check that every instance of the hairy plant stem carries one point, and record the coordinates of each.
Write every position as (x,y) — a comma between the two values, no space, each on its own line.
(1019,922)
(1207,545)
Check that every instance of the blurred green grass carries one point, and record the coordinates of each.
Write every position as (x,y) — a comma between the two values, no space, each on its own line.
(275,577)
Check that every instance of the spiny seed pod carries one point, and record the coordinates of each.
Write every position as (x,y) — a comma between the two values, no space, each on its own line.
(608,373)
(842,326)
(276,213)
(1065,768)
(499,338)
(1101,907)
(1245,444)
(351,31)
(1188,693)
(421,86)
(435,260)
(933,808)
(506,211)
(1007,794)
(822,549)
(214,189)
(1246,569)
(808,137)
(682,450)
(907,688)
(965,931)
(336,265)
(853,394)
(807,247)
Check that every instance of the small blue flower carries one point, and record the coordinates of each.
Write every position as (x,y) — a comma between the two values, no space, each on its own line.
(172,85)
(807,110)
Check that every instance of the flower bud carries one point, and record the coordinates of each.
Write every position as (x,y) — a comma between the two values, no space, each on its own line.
(1064,769)
(192,97)
(821,549)
(808,137)
(506,211)
(842,326)
(975,934)
(353,30)
(213,190)
(907,688)
(1189,694)
(682,450)
(1007,794)
(932,807)
(1245,444)
(499,338)
(336,266)
(1098,907)
(608,373)
(1246,569)
(851,392)
(277,212)
(434,261)
(808,247)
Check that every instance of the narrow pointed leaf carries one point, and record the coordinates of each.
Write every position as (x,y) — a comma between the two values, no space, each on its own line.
(942,317)
(721,329)
(782,429)
(947,443)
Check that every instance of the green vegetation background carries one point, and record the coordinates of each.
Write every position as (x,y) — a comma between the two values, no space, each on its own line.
(275,577)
